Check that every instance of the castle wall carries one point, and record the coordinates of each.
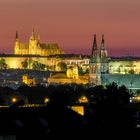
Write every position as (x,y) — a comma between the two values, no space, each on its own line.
(14,61)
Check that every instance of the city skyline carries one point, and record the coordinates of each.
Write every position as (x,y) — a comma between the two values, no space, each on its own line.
(73,23)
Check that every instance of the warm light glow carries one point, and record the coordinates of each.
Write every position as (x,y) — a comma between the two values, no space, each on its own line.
(28,81)
(83,99)
(14,100)
(78,109)
(46,100)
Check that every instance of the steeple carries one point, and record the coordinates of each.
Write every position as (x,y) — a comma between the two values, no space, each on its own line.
(94,52)
(16,35)
(33,37)
(103,43)
(103,51)
(103,57)
(38,38)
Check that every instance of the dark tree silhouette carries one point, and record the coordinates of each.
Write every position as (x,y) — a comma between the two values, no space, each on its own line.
(109,109)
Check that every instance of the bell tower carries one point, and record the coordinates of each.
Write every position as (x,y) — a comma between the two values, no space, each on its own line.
(33,43)
(95,65)
(17,45)
(103,57)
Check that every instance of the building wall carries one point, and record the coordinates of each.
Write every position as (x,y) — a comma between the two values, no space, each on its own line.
(124,67)
(14,62)
(80,80)
(115,67)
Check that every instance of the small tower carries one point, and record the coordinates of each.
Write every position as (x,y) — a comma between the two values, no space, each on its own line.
(16,35)
(95,65)
(94,52)
(103,57)
(33,36)
(33,42)
(17,44)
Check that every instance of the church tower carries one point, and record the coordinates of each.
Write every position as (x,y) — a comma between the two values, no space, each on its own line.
(103,57)
(95,65)
(17,44)
(33,42)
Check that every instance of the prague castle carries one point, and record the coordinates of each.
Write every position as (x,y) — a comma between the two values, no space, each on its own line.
(35,47)
(95,69)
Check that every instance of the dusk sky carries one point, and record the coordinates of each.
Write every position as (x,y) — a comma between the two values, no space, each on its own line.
(72,24)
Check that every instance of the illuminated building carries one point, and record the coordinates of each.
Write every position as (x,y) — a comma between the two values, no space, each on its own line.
(70,76)
(78,109)
(104,70)
(28,81)
(98,62)
(98,68)
(35,47)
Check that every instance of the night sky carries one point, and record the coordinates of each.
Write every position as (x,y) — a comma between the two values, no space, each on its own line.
(72,24)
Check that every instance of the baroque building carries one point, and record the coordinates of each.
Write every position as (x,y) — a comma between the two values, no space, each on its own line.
(35,47)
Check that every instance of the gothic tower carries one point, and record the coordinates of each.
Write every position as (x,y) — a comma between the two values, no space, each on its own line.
(17,44)
(103,57)
(33,42)
(95,65)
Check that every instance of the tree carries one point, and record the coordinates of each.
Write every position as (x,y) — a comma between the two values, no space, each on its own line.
(131,71)
(62,66)
(38,66)
(3,64)
(24,64)
(109,109)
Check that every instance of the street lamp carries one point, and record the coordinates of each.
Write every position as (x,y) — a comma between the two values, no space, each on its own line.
(46,100)
(14,100)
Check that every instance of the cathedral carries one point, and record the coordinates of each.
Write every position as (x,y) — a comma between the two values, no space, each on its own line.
(98,62)
(35,47)
(97,68)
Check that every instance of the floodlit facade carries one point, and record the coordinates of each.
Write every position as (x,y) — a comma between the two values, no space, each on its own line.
(104,70)
(70,76)
(35,47)
(96,69)
(28,81)
(98,62)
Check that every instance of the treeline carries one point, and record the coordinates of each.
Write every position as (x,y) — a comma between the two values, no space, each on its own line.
(70,93)
(107,106)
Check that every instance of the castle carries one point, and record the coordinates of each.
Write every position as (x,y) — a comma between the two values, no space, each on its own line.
(35,47)
(96,69)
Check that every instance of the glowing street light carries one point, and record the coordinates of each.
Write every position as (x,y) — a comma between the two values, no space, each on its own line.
(83,99)
(46,100)
(14,100)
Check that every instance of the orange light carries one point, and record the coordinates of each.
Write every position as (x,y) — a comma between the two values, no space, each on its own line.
(46,100)
(14,100)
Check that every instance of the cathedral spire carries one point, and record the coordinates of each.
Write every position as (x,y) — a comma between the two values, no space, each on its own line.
(38,37)
(33,34)
(103,43)
(103,51)
(94,47)
(16,35)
